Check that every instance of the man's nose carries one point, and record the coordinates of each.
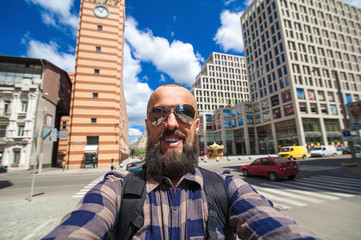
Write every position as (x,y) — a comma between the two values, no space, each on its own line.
(172,122)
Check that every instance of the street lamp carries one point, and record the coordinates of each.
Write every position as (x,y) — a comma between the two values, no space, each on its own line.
(346,123)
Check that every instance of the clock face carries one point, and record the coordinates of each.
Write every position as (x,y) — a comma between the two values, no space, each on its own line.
(101,11)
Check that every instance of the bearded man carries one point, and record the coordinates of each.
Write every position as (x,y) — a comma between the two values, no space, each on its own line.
(176,204)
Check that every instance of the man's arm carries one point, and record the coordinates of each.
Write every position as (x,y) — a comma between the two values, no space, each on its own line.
(95,215)
(252,216)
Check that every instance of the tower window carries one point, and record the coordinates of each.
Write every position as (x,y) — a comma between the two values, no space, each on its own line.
(95,95)
(93,121)
(100,28)
(98,49)
(96,71)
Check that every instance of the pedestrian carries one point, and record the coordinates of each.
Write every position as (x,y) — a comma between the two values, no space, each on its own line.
(177,204)
(94,161)
(112,164)
(63,164)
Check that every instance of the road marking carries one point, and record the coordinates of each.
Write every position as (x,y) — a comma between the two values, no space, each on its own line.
(313,168)
(349,181)
(280,199)
(338,190)
(85,189)
(310,192)
(288,194)
(347,185)
(314,189)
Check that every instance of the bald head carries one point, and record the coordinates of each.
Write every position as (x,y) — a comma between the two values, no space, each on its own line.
(171,94)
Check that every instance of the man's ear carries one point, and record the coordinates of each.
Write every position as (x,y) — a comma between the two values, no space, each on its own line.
(146,124)
(197,125)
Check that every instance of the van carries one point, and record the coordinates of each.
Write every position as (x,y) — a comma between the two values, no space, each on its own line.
(323,151)
(293,152)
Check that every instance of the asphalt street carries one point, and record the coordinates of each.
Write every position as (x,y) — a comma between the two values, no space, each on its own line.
(57,192)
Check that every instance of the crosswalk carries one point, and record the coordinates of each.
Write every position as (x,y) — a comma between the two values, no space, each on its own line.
(83,191)
(297,193)
(312,190)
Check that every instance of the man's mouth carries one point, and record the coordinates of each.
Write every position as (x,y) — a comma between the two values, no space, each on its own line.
(171,139)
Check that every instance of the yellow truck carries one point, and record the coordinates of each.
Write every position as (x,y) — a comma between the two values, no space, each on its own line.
(293,152)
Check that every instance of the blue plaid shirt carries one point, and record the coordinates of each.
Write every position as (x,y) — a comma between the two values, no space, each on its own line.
(180,214)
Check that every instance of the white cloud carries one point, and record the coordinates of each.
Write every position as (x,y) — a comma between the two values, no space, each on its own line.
(176,59)
(136,93)
(50,52)
(229,35)
(356,3)
(134,134)
(57,13)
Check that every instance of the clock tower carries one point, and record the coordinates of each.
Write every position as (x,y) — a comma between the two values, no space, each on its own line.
(98,121)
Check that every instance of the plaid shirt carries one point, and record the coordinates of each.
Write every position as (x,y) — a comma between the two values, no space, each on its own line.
(177,215)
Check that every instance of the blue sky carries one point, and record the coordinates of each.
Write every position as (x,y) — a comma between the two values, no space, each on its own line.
(179,36)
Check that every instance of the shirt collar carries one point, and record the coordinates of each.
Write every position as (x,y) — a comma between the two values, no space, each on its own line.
(153,181)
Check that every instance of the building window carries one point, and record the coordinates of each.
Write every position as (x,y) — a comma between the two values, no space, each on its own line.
(63,125)
(6,106)
(95,95)
(96,71)
(93,121)
(21,130)
(93,140)
(2,130)
(98,49)
(16,157)
(100,28)
(24,106)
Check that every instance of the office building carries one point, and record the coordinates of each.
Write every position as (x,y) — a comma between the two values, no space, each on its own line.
(303,63)
(98,122)
(303,60)
(222,82)
(34,95)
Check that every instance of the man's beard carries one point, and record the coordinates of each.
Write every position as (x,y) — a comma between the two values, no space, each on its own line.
(172,164)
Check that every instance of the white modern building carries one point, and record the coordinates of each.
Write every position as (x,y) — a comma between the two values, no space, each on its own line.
(303,61)
(221,83)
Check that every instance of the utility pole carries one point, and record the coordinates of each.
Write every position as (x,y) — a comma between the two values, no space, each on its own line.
(346,123)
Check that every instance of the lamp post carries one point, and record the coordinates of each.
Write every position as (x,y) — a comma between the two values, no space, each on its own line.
(346,123)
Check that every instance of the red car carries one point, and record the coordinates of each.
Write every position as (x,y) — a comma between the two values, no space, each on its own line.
(273,167)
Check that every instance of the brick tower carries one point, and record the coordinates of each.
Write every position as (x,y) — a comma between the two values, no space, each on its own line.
(98,122)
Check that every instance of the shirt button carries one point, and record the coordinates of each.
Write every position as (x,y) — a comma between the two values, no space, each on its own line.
(174,208)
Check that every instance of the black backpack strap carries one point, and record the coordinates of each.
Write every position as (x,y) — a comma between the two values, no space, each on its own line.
(218,204)
(131,208)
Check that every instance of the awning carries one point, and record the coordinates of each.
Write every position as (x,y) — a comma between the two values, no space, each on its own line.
(91,149)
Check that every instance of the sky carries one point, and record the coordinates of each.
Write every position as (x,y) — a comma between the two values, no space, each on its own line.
(179,37)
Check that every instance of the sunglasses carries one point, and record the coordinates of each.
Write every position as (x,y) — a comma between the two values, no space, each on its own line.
(184,112)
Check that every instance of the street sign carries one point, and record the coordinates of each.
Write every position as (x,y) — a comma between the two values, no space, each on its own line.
(346,134)
(354,111)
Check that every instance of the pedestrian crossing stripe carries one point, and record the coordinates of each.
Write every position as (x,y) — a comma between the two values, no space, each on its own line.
(313,168)
(85,189)
(300,192)
(304,191)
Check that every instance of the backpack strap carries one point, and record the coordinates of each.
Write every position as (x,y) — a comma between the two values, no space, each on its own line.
(217,199)
(131,209)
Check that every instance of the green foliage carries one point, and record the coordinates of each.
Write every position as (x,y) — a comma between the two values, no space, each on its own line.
(139,152)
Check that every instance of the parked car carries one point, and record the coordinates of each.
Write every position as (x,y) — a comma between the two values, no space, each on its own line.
(347,150)
(135,166)
(323,151)
(273,167)
(293,152)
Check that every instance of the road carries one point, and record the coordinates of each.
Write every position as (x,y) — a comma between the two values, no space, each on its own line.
(324,197)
